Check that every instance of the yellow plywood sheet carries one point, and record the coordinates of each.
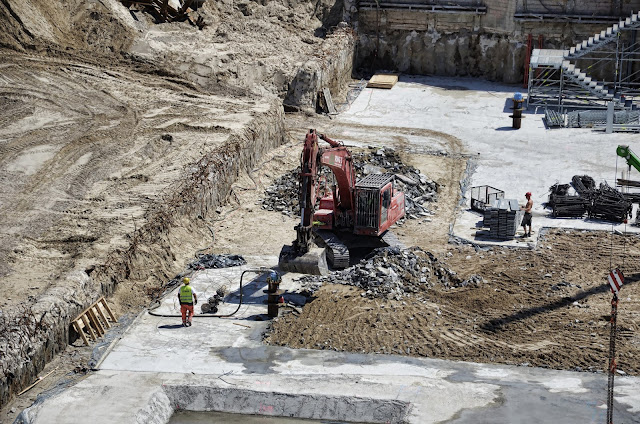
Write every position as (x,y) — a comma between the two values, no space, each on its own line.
(383,81)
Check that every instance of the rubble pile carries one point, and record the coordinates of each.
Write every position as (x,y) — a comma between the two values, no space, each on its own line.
(393,273)
(282,195)
(208,261)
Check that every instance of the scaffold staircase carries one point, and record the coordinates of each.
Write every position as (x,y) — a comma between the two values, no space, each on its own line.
(565,61)
(605,37)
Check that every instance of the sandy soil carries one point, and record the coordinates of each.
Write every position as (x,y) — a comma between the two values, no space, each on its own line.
(101,122)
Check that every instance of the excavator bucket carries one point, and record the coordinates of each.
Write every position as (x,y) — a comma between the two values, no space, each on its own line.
(313,262)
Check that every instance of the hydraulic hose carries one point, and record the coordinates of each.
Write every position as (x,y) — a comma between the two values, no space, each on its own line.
(260,270)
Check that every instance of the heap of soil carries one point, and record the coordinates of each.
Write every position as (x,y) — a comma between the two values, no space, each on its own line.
(547,307)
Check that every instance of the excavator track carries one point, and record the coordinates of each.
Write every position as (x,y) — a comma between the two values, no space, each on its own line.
(337,251)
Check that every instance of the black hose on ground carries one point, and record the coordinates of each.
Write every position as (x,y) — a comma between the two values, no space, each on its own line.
(256,270)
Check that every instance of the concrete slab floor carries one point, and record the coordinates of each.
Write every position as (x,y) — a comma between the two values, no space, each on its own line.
(515,161)
(220,364)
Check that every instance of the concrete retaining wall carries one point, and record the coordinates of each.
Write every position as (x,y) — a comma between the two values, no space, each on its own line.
(309,406)
(491,45)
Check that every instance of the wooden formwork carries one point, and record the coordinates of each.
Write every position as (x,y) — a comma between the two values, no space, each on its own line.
(94,321)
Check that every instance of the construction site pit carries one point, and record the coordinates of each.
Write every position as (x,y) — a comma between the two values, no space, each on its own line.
(142,144)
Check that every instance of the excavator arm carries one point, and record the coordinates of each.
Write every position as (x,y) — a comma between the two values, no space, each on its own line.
(631,158)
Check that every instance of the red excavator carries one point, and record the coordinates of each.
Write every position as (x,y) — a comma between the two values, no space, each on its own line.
(348,214)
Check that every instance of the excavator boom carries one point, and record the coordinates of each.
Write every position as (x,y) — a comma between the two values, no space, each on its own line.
(627,153)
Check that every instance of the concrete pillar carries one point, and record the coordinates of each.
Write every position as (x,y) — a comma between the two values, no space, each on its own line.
(610,111)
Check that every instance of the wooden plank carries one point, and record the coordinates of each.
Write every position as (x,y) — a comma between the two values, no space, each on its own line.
(76,326)
(102,315)
(96,323)
(381,80)
(88,327)
(331,108)
(106,307)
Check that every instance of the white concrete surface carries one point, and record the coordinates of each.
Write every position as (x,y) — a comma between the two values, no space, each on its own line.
(515,161)
(221,364)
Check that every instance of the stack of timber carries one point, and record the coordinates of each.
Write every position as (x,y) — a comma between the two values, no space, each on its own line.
(383,81)
(503,219)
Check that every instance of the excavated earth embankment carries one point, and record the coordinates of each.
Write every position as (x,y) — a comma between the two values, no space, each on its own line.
(120,138)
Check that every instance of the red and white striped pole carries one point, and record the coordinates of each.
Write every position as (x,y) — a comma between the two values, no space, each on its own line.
(616,279)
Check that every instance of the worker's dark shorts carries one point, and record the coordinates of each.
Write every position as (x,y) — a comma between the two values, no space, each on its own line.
(527,219)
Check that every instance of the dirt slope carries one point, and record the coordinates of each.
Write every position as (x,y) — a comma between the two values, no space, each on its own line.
(98,131)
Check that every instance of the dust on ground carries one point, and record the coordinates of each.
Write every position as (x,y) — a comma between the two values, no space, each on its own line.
(547,307)
(98,128)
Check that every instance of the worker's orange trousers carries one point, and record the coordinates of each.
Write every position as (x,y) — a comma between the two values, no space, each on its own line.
(184,308)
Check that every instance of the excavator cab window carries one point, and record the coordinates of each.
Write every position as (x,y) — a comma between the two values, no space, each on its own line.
(386,202)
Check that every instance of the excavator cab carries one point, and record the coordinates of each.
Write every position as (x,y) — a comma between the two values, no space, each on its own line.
(377,204)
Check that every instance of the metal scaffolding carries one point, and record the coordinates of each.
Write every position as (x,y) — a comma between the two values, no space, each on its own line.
(604,68)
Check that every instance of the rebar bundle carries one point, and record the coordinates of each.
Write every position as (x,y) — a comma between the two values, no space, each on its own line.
(608,203)
(565,205)
(584,185)
(604,202)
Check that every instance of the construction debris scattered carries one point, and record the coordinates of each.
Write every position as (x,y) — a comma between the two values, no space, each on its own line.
(208,261)
(394,273)
(282,195)
(170,10)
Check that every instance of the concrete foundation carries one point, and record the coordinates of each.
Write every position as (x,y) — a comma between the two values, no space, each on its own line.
(220,364)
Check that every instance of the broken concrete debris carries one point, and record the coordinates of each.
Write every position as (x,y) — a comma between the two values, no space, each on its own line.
(170,10)
(394,273)
(208,261)
(282,195)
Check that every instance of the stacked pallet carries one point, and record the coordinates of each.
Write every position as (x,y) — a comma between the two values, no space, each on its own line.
(383,81)
(503,219)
